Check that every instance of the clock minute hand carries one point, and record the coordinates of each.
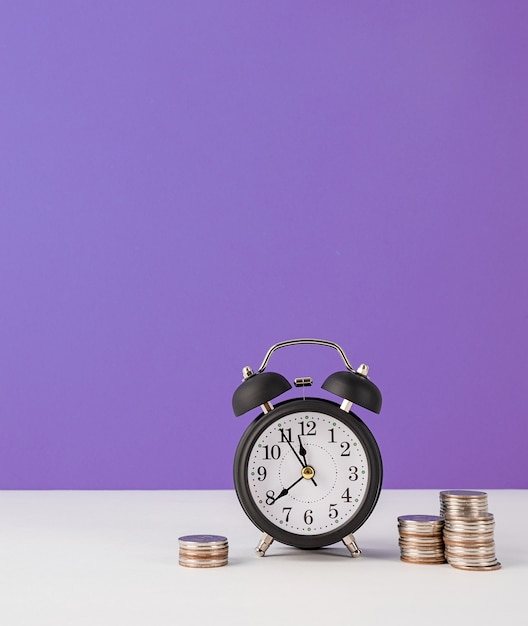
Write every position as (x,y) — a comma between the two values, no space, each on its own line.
(293,449)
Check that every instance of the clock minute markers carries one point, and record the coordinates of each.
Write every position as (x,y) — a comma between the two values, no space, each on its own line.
(281,430)
(302,451)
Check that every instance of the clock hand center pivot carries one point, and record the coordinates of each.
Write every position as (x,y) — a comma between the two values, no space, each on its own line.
(308,472)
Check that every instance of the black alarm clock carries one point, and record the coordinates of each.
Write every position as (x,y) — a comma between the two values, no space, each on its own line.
(307,471)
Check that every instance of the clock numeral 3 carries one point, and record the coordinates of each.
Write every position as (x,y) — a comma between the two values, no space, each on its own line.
(353,472)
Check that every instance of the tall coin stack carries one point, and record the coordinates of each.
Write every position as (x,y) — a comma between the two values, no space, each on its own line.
(468,530)
(421,539)
(203,551)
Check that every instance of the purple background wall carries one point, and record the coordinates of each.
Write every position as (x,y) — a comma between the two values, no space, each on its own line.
(183,184)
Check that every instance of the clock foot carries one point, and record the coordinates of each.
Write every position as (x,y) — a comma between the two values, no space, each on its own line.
(264,543)
(351,545)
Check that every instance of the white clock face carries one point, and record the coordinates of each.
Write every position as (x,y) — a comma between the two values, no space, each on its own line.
(308,473)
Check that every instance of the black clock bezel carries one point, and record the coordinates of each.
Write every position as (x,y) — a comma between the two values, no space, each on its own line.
(260,424)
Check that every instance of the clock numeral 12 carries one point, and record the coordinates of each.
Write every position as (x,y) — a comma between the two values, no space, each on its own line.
(310,428)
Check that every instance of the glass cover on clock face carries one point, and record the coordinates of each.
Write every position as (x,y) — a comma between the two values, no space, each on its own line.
(308,473)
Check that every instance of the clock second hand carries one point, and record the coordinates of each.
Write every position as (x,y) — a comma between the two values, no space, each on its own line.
(286,490)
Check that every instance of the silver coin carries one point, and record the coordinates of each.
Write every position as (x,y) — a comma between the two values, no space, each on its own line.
(421,541)
(479,568)
(463,493)
(420,519)
(203,540)
(198,564)
(420,561)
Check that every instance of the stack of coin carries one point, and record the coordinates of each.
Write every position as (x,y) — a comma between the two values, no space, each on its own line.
(203,551)
(468,530)
(421,539)
(463,503)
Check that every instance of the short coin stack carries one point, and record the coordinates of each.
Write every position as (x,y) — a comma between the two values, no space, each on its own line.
(203,551)
(468,530)
(421,539)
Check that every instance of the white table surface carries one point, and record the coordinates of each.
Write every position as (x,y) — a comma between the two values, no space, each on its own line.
(111,558)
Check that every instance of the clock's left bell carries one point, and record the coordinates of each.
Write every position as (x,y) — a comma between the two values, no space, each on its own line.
(258,390)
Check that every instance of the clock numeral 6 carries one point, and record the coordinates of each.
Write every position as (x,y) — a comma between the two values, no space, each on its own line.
(308,517)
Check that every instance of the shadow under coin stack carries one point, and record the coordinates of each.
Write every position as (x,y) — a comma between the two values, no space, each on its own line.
(421,539)
(468,530)
(203,551)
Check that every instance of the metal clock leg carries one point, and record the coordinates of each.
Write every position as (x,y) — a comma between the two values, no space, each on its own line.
(352,546)
(264,543)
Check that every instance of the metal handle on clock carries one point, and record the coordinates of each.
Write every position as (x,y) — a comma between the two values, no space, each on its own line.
(296,342)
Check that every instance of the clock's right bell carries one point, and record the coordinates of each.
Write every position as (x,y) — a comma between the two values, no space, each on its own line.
(356,388)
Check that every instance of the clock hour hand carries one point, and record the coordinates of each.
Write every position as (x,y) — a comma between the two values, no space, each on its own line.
(302,452)
(285,491)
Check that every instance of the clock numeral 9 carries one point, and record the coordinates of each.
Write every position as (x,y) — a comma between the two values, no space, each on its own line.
(308,517)
(271,452)
(262,473)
